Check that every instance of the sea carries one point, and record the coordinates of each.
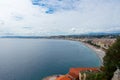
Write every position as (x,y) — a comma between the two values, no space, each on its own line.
(34,59)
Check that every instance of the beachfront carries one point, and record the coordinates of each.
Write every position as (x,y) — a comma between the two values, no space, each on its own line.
(99,52)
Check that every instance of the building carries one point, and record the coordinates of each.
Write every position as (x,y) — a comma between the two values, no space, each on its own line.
(77,74)
(65,77)
(116,75)
(103,43)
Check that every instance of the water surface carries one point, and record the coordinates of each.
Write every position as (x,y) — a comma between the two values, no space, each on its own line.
(33,59)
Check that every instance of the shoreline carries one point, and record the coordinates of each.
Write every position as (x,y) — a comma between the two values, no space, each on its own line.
(99,52)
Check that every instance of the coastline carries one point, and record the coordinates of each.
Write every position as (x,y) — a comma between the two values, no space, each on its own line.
(99,52)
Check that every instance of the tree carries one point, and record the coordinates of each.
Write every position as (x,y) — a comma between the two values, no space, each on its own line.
(112,59)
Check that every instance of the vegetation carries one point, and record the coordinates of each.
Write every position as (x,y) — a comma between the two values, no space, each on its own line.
(111,62)
(112,59)
(90,42)
(96,76)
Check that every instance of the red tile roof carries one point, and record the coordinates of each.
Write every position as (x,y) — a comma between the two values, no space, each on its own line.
(63,78)
(74,72)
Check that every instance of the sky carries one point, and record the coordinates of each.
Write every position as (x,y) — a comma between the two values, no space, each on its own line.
(58,17)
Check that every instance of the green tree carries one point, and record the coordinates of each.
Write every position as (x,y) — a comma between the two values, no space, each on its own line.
(95,76)
(112,59)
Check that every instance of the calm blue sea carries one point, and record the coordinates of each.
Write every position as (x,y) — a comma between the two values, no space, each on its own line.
(34,59)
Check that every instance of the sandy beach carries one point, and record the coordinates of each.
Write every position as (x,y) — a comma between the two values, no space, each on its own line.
(100,52)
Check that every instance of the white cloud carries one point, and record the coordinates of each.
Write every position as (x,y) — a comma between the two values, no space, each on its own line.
(85,16)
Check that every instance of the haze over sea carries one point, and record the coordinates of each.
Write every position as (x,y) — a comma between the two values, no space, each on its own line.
(34,59)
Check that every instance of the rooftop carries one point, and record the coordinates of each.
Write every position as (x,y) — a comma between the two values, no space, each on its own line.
(63,78)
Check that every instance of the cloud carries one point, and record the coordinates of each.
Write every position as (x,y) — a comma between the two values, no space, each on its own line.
(1,22)
(55,17)
(17,17)
(56,5)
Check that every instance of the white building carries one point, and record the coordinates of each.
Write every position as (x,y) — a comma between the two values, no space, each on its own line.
(116,75)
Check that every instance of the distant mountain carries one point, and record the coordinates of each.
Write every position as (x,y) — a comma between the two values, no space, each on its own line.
(88,35)
(103,33)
